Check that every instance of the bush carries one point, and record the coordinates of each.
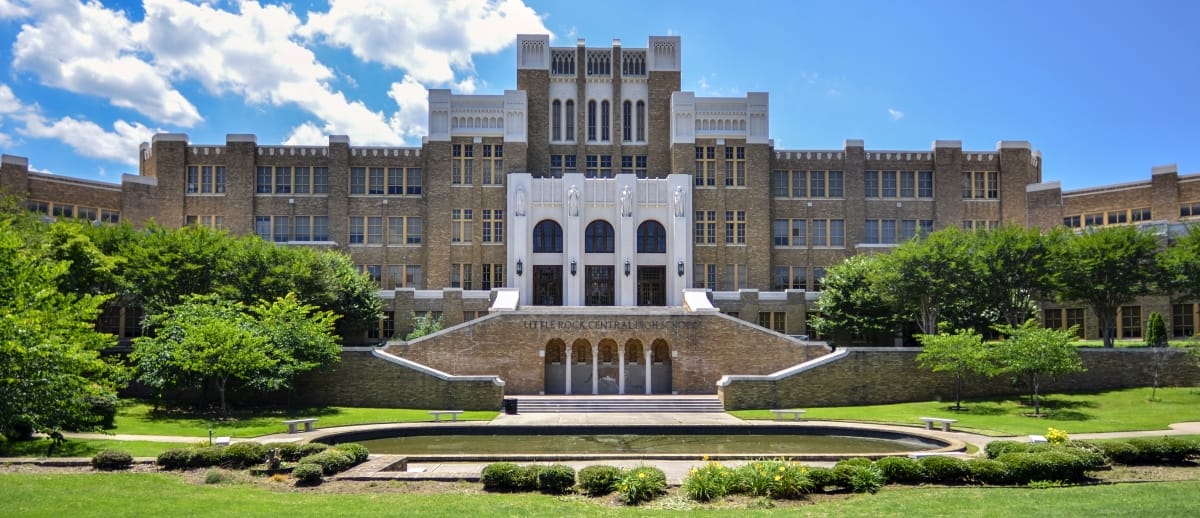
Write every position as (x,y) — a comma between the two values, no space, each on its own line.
(241,455)
(288,451)
(555,478)
(1164,450)
(501,476)
(821,477)
(995,449)
(308,473)
(599,480)
(112,460)
(1056,436)
(357,452)
(1058,465)
(311,448)
(331,461)
(844,469)
(866,479)
(175,458)
(772,478)
(988,471)
(945,470)
(219,476)
(901,470)
(1119,452)
(206,457)
(642,484)
(709,482)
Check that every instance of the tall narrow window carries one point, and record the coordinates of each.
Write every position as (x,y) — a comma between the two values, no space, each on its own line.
(604,117)
(591,121)
(627,121)
(570,119)
(641,121)
(556,121)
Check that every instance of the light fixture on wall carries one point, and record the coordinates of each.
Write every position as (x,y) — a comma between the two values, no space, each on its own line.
(679,268)
(627,267)
(573,267)
(520,267)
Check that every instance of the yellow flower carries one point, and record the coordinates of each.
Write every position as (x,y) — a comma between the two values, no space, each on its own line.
(781,469)
(777,477)
(641,475)
(694,471)
(704,458)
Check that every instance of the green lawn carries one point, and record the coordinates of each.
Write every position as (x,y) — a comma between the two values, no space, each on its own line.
(128,494)
(1113,411)
(85,447)
(140,419)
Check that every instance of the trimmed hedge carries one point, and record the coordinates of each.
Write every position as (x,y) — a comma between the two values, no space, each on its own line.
(308,473)
(357,452)
(175,458)
(242,455)
(112,460)
(945,470)
(332,461)
(555,478)
(901,470)
(988,471)
(599,480)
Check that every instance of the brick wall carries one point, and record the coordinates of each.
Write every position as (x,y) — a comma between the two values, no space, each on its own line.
(361,379)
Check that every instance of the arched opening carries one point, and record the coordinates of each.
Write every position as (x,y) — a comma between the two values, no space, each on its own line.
(555,367)
(635,367)
(547,237)
(556,120)
(599,238)
(651,238)
(660,367)
(608,367)
(580,378)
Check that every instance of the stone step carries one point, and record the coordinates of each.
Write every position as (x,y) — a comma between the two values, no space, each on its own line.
(598,404)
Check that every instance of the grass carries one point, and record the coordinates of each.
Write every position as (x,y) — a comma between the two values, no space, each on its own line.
(1113,411)
(84,448)
(134,494)
(140,419)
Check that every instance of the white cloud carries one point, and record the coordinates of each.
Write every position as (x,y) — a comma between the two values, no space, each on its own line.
(307,134)
(88,49)
(89,139)
(11,9)
(413,102)
(429,39)
(895,114)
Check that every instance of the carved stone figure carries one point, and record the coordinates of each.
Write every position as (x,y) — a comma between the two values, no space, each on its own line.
(573,201)
(626,202)
(520,201)
(677,199)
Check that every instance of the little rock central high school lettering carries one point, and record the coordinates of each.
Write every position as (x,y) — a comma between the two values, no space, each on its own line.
(611,324)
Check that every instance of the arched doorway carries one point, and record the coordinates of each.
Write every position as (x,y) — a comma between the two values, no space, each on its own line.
(635,367)
(555,367)
(608,367)
(581,367)
(660,367)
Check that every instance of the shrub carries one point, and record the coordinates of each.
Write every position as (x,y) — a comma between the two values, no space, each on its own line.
(357,452)
(642,484)
(844,469)
(1056,436)
(175,458)
(112,460)
(945,470)
(820,478)
(599,480)
(1119,452)
(501,476)
(308,473)
(218,476)
(289,451)
(241,455)
(709,482)
(901,470)
(1048,465)
(311,448)
(772,478)
(1164,450)
(988,471)
(206,457)
(866,479)
(555,478)
(331,461)
(995,449)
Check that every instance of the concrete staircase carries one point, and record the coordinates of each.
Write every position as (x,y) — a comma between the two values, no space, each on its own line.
(612,403)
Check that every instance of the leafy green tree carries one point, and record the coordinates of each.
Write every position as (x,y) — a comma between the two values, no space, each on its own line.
(852,304)
(1016,266)
(961,354)
(1034,353)
(424,325)
(1107,268)
(50,364)
(1180,265)
(1156,337)
(933,280)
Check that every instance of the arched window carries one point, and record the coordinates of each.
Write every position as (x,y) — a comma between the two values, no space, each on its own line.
(599,238)
(651,238)
(591,121)
(570,116)
(547,237)
(627,121)
(641,121)
(556,120)
(604,116)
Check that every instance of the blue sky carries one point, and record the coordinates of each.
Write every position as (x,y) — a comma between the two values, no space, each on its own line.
(1104,89)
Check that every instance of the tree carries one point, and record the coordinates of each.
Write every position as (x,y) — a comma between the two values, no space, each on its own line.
(207,338)
(1017,265)
(1180,265)
(960,354)
(1108,268)
(1034,353)
(1156,337)
(852,305)
(933,279)
(424,325)
(50,364)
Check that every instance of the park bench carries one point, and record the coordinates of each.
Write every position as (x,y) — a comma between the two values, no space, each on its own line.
(221,441)
(942,421)
(1037,438)
(437,414)
(293,423)
(781,413)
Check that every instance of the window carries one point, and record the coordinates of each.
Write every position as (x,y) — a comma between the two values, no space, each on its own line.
(460,276)
(735,277)
(980,224)
(908,184)
(110,216)
(1189,209)
(60,210)
(204,220)
(627,121)
(790,232)
(384,328)
(641,121)
(405,275)
(358,180)
(1094,219)
(1136,215)
(262,227)
(735,166)
(924,184)
(373,271)
(871,184)
(773,320)
(598,166)
(493,164)
(1118,217)
(570,117)
(599,238)
(302,228)
(651,238)
(461,155)
(461,226)
(881,231)
(86,213)
(282,229)
(706,227)
(375,180)
(283,180)
(547,237)
(404,230)
(366,230)
(818,278)
(981,185)
(705,276)
(911,228)
(1131,321)
(1183,320)
(493,226)
(635,164)
(705,163)
(556,121)
(493,276)
(735,227)
(1072,221)
(263,181)
(320,228)
(320,180)
(1074,317)
(790,277)
(303,176)
(888,184)
(605,113)
(1052,319)
(591,121)
(206,179)
(828,233)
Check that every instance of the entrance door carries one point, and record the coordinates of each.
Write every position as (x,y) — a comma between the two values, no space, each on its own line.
(547,286)
(652,286)
(599,286)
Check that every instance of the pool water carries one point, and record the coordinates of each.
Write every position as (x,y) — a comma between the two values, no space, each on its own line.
(698,444)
